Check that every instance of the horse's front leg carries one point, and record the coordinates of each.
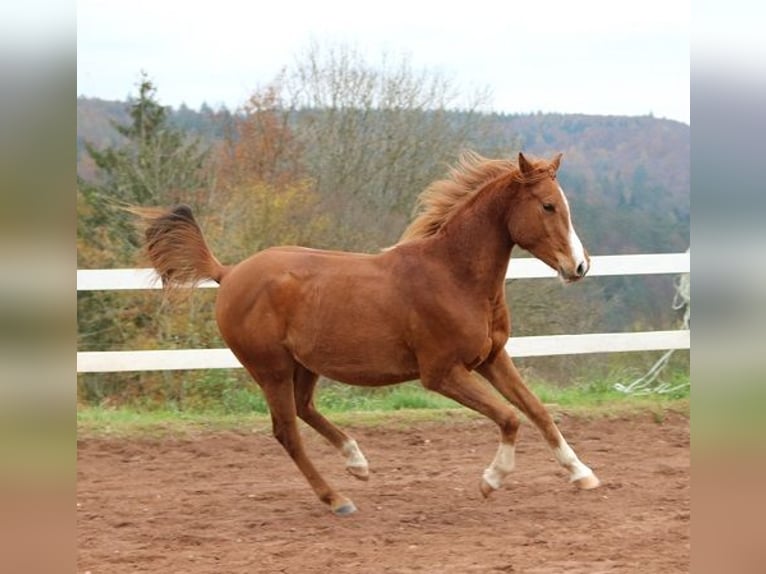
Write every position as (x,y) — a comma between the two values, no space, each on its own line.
(462,386)
(503,375)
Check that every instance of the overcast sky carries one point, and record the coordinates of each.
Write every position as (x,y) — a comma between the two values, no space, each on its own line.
(585,56)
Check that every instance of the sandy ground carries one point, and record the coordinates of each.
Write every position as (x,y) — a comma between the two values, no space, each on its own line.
(233,502)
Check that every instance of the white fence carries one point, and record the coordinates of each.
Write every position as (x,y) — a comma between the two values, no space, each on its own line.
(605,265)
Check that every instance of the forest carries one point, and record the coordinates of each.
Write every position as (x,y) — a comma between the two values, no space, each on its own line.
(332,154)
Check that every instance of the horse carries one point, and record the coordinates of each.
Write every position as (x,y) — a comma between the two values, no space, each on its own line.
(432,307)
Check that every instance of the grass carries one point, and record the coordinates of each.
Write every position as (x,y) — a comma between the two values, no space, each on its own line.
(244,409)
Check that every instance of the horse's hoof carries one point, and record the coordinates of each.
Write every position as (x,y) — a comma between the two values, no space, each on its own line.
(486,489)
(360,472)
(588,482)
(344,509)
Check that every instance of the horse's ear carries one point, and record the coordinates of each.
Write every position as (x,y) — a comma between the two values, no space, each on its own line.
(524,165)
(556,161)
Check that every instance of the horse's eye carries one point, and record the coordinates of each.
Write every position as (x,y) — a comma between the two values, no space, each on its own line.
(549,207)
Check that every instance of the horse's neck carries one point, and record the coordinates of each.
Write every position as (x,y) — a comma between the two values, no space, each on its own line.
(478,244)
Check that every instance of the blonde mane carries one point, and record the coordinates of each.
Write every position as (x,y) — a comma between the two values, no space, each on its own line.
(444,197)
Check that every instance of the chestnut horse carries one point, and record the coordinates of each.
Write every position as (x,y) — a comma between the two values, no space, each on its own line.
(432,307)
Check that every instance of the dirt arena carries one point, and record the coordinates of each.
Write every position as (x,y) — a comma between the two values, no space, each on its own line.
(228,502)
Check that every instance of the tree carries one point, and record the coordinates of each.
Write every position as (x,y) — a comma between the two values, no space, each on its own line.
(264,196)
(374,137)
(155,165)
(261,145)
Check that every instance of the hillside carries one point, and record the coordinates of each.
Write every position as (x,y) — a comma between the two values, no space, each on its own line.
(642,151)
(628,177)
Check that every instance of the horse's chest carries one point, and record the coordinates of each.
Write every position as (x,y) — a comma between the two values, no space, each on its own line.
(482,355)
(465,337)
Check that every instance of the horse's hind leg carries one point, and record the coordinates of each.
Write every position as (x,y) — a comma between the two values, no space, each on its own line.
(278,391)
(305,382)
(502,374)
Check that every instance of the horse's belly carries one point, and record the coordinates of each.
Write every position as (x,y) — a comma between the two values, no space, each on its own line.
(365,363)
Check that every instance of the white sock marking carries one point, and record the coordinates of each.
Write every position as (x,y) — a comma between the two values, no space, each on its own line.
(502,464)
(567,458)
(354,456)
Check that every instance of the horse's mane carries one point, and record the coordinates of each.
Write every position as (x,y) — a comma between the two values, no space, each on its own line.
(444,197)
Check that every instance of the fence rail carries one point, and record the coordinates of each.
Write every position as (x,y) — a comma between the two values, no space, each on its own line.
(522,268)
(604,265)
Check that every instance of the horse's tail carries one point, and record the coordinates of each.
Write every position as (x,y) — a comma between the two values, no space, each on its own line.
(177,248)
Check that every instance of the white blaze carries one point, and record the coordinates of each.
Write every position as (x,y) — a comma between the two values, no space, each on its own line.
(575,245)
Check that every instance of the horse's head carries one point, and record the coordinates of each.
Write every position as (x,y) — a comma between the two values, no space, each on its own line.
(541,223)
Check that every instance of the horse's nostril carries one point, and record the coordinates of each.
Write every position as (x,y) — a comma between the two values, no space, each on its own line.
(581,270)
